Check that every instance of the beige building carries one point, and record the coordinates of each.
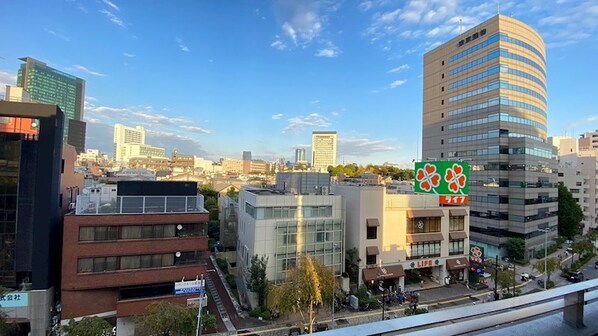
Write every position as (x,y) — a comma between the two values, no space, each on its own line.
(485,102)
(323,149)
(126,135)
(404,239)
(232,166)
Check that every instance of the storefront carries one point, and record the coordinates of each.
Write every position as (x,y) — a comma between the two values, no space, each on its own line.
(389,277)
(456,269)
(428,272)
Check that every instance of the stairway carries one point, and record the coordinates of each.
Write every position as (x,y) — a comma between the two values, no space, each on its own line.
(216,297)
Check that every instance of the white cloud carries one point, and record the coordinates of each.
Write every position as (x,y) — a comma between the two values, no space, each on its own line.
(330,51)
(90,98)
(82,69)
(277,116)
(316,101)
(113,18)
(361,147)
(111,4)
(129,55)
(397,83)
(182,45)
(278,44)
(82,8)
(303,22)
(399,68)
(197,130)
(7,78)
(58,35)
(313,120)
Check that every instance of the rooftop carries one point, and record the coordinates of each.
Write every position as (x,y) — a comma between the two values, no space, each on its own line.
(93,205)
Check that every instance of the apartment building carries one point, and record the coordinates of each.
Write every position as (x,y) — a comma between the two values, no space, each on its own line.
(126,248)
(485,102)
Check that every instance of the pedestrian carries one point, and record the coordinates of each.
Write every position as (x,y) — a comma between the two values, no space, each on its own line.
(421,284)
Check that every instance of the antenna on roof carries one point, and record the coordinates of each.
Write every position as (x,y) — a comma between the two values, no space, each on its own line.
(498,7)
(460,26)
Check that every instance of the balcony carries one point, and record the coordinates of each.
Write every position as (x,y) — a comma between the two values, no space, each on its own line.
(91,205)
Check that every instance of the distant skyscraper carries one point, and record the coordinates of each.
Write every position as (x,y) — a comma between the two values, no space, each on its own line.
(323,149)
(246,155)
(300,155)
(485,102)
(50,86)
(124,135)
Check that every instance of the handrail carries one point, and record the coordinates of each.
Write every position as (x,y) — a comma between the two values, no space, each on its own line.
(458,320)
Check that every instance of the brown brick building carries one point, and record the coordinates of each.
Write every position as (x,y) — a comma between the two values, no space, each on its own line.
(120,256)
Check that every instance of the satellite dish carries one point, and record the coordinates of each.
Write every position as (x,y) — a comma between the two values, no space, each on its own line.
(179,227)
(178,254)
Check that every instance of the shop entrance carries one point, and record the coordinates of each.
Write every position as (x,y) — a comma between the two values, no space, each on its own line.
(420,277)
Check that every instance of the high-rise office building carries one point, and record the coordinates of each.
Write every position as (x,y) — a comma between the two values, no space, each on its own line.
(485,102)
(246,155)
(300,155)
(124,135)
(47,85)
(323,149)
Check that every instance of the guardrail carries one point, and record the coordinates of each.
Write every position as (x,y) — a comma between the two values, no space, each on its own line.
(569,299)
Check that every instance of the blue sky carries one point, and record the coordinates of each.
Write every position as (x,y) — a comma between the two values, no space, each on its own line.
(215,78)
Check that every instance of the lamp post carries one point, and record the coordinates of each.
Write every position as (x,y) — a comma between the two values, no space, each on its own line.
(546,230)
(381,287)
(202,291)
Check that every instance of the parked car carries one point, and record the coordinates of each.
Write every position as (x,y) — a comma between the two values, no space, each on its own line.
(576,277)
(295,331)
(596,264)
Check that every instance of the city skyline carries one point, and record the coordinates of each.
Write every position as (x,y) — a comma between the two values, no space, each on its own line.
(195,73)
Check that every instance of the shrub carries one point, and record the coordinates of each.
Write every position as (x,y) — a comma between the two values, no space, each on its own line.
(208,321)
(232,282)
(222,264)
(259,312)
(409,311)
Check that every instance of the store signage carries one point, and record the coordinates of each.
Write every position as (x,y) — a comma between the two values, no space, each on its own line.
(476,254)
(448,179)
(189,287)
(424,263)
(454,200)
(14,300)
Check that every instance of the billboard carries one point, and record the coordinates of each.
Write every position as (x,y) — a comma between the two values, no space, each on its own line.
(189,287)
(445,178)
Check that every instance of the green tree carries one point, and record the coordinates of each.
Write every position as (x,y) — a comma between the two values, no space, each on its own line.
(214,229)
(164,318)
(583,248)
(506,279)
(257,277)
(233,193)
(352,261)
(308,285)
(552,264)
(208,321)
(4,327)
(515,248)
(570,214)
(88,326)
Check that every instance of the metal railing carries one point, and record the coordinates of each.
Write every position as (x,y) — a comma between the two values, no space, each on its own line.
(569,299)
(90,205)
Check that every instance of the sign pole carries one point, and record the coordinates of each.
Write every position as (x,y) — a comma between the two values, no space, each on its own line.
(201,291)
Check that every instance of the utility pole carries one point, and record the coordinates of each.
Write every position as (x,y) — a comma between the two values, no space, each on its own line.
(496,280)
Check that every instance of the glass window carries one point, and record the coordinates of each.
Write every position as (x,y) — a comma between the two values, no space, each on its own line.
(372,232)
(423,225)
(85,265)
(457,223)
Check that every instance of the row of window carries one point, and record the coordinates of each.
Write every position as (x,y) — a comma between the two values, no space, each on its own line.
(494,39)
(287,212)
(493,134)
(540,152)
(493,70)
(503,84)
(496,101)
(103,233)
(493,55)
(498,117)
(116,263)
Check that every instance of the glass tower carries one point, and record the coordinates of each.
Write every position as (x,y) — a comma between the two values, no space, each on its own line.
(485,102)
(47,85)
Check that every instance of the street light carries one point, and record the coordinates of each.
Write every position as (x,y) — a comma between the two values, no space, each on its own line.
(546,230)
(202,291)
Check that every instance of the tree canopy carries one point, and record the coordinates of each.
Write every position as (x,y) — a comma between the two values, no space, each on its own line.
(309,284)
(570,214)
(353,170)
(164,318)
(88,326)
(515,248)
(257,277)
(552,264)
(352,264)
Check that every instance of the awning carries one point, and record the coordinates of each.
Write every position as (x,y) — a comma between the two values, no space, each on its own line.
(458,212)
(383,273)
(372,250)
(425,213)
(372,222)
(424,237)
(457,235)
(457,264)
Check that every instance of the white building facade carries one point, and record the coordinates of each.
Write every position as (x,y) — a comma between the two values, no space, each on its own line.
(285,227)
(323,149)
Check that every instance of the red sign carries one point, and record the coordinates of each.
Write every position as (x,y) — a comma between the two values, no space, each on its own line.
(454,200)
(424,263)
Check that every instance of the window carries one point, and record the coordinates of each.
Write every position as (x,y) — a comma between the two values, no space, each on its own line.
(423,225)
(371,260)
(442,102)
(442,141)
(441,115)
(372,232)
(457,223)
(442,155)
(289,239)
(442,128)
(442,62)
(424,249)
(456,247)
(442,75)
(442,89)
(289,263)
(323,236)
